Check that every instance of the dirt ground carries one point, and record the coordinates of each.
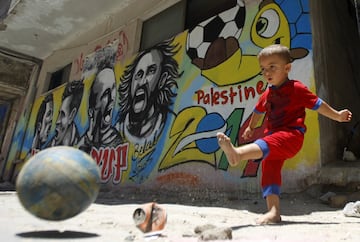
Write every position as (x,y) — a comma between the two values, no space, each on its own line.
(305,218)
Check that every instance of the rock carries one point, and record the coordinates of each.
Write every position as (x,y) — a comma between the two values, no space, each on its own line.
(338,201)
(211,232)
(355,196)
(349,156)
(201,228)
(216,234)
(130,238)
(352,209)
(326,197)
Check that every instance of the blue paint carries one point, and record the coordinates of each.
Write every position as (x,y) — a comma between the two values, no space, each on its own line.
(297,14)
(210,122)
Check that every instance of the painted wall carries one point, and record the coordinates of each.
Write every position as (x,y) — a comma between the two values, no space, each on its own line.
(4,108)
(151,120)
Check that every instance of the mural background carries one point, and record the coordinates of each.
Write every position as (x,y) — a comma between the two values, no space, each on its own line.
(151,120)
(3,115)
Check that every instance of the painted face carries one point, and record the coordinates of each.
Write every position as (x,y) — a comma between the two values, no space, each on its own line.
(46,122)
(105,97)
(146,77)
(64,120)
(274,69)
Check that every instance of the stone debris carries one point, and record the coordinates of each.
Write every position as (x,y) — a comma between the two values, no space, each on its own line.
(211,232)
(201,228)
(326,197)
(338,201)
(334,200)
(349,156)
(352,209)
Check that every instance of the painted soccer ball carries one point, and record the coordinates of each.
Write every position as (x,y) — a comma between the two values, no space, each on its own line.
(298,14)
(58,183)
(224,25)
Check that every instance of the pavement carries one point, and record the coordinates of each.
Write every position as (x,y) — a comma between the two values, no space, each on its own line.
(304,217)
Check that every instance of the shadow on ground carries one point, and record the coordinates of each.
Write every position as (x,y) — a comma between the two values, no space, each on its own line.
(291,204)
(56,234)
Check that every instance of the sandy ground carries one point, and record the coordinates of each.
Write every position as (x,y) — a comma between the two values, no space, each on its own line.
(305,218)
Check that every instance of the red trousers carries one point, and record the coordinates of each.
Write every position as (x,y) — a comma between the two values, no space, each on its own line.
(277,147)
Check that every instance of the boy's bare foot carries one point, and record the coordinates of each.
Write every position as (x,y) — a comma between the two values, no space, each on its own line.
(273,214)
(269,218)
(228,148)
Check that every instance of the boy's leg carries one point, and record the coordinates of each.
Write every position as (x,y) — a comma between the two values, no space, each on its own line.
(281,146)
(271,183)
(273,214)
(235,154)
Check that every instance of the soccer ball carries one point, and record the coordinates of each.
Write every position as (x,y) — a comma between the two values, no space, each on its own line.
(223,25)
(58,183)
(298,15)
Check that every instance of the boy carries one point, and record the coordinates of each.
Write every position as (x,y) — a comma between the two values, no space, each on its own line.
(284,102)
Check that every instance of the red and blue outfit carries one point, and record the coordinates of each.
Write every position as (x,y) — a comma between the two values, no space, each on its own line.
(284,135)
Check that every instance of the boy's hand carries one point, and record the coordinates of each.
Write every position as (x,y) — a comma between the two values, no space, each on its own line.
(345,115)
(341,116)
(248,133)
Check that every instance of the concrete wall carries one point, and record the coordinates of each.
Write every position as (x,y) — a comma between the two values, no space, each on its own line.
(128,37)
(162,134)
(336,66)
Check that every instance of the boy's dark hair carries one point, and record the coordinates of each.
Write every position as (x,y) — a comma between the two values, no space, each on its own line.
(279,50)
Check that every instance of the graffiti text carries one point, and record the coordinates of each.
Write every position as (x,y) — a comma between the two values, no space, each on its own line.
(214,97)
(112,162)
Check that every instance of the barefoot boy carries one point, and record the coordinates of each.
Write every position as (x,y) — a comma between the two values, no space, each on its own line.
(284,103)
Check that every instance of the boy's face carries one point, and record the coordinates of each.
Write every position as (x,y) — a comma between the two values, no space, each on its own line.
(275,69)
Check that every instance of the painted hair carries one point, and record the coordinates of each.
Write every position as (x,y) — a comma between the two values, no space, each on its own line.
(74,89)
(277,49)
(41,113)
(166,90)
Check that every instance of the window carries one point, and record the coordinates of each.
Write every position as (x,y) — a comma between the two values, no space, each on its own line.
(200,10)
(59,77)
(185,14)
(164,25)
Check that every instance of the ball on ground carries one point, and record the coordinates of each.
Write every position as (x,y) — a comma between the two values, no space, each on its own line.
(58,183)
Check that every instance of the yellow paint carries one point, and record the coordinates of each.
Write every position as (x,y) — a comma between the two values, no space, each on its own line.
(184,125)
(84,105)
(234,70)
(275,29)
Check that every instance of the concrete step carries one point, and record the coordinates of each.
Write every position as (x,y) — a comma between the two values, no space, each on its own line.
(340,172)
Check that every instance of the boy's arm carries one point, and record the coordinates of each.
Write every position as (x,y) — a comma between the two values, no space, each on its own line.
(249,131)
(341,116)
(254,120)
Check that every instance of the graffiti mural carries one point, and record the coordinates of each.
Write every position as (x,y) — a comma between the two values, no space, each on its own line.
(4,108)
(147,89)
(153,118)
(43,123)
